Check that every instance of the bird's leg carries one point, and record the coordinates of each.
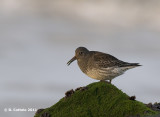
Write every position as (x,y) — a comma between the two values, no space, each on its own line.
(104,81)
(110,81)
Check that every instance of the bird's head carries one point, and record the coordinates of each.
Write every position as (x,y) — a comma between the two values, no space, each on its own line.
(80,54)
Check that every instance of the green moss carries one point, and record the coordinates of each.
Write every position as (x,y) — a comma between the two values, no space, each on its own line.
(99,100)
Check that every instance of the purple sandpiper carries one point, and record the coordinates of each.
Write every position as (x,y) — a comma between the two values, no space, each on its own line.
(100,66)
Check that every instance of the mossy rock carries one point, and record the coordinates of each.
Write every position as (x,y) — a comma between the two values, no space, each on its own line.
(101,99)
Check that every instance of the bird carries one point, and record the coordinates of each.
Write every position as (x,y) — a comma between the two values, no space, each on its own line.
(100,66)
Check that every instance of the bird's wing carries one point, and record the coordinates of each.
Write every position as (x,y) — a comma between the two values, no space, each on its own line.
(104,60)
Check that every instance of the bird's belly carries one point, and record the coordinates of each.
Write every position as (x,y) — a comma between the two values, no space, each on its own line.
(104,73)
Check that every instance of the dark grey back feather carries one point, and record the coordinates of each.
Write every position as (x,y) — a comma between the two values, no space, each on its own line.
(106,60)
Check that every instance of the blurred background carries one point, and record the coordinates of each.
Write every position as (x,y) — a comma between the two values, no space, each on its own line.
(38,38)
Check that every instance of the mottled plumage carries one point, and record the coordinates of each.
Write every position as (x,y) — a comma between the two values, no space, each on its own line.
(100,66)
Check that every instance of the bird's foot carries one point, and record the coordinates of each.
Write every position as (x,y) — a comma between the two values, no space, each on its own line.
(105,81)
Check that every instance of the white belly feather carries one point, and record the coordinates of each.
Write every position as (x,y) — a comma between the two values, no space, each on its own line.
(106,73)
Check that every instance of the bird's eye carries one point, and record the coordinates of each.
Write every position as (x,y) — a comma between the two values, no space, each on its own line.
(80,53)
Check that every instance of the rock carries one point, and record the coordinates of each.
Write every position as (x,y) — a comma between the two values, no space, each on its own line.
(81,88)
(98,99)
(45,114)
(39,111)
(132,97)
(69,93)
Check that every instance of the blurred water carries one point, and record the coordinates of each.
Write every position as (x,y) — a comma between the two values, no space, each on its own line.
(35,47)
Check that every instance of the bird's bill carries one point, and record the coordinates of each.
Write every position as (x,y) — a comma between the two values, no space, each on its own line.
(73,59)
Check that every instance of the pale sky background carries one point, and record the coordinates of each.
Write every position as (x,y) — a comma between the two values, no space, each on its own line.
(37,38)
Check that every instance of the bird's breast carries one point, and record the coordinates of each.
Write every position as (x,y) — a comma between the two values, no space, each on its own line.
(104,73)
(82,65)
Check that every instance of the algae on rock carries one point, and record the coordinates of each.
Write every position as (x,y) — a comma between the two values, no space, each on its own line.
(99,100)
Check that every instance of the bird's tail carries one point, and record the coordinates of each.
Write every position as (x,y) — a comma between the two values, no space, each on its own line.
(134,64)
(131,65)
